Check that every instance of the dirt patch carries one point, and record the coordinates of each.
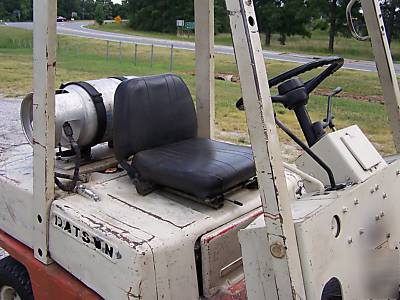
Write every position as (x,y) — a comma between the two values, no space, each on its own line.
(369,98)
(319,92)
(227,77)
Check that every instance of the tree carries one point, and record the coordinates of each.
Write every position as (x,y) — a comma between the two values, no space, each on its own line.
(121,9)
(66,7)
(99,14)
(286,17)
(221,17)
(161,15)
(3,12)
(333,12)
(390,11)
(16,10)
(108,8)
(26,8)
(87,9)
(265,11)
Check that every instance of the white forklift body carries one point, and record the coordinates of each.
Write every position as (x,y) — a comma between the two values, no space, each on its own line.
(127,244)
(165,246)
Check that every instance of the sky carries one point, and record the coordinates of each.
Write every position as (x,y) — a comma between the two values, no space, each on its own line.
(117,1)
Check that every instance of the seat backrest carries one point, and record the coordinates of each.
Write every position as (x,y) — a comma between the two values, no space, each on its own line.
(151,112)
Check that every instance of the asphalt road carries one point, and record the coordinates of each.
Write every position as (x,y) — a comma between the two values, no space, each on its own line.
(78,29)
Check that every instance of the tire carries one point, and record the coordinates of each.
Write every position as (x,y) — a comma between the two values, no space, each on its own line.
(14,278)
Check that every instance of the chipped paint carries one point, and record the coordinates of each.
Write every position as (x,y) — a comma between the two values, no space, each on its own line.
(87,237)
(109,229)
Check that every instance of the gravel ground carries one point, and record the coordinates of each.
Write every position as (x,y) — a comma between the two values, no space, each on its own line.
(3,253)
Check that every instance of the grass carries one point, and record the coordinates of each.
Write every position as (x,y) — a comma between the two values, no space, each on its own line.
(316,45)
(82,59)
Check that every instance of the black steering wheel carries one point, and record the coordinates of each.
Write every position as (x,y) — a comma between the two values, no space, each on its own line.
(294,94)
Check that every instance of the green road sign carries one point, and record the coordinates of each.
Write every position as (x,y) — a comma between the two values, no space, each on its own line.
(189,25)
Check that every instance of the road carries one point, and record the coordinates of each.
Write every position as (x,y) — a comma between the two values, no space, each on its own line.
(79,29)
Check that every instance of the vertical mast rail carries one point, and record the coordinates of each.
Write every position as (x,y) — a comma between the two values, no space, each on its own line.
(205,103)
(44,67)
(384,63)
(285,279)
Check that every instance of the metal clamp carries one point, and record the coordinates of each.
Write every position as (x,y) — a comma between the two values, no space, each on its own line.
(350,23)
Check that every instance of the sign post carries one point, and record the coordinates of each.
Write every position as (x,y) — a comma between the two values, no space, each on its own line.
(180,24)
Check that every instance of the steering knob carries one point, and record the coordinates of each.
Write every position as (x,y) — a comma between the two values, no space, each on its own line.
(292,93)
(290,85)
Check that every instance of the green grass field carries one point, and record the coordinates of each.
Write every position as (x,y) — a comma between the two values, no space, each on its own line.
(317,44)
(82,59)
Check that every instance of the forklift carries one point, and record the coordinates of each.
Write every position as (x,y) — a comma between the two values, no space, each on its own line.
(121,192)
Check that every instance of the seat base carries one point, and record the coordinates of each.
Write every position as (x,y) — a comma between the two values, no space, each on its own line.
(201,168)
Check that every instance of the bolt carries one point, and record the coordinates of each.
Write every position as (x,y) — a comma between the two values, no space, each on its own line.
(376,187)
(388,235)
(382,214)
(384,196)
(345,209)
(349,240)
(361,231)
(398,172)
(377,218)
(278,250)
(356,202)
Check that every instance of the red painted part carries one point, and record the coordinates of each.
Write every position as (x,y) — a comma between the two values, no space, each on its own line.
(234,226)
(48,282)
(236,291)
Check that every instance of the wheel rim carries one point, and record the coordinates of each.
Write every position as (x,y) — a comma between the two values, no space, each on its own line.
(9,293)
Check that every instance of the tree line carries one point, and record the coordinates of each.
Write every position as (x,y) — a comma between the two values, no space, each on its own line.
(282,17)
(21,10)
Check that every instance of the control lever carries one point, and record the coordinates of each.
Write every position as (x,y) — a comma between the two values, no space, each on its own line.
(328,121)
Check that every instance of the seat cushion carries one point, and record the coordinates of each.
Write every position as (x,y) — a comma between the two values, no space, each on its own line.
(150,112)
(199,167)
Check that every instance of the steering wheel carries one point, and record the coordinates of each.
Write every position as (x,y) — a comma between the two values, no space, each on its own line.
(294,94)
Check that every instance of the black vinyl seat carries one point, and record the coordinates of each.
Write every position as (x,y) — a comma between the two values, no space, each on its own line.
(155,122)
(200,167)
